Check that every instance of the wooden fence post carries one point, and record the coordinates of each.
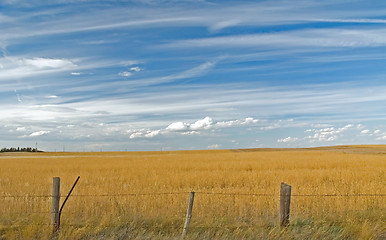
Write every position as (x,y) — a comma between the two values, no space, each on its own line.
(188,215)
(285,200)
(55,204)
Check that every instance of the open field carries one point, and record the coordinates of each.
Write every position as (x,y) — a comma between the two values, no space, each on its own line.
(338,193)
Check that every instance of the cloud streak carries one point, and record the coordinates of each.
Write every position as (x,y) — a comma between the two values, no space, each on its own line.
(323,38)
(27,67)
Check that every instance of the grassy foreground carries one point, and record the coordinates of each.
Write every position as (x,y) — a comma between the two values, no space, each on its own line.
(143,195)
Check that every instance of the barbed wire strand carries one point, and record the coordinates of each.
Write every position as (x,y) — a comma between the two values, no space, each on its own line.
(198,192)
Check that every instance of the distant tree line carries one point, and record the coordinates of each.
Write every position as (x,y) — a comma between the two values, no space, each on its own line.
(19,149)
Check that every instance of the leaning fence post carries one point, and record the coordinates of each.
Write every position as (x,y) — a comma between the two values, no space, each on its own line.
(55,204)
(65,200)
(188,215)
(285,200)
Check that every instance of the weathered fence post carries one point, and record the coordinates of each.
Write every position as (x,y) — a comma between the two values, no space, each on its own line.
(55,204)
(188,215)
(285,200)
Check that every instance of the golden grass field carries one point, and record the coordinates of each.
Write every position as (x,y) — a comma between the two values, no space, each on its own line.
(143,195)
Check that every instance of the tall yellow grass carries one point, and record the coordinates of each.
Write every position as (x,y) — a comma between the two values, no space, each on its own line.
(225,182)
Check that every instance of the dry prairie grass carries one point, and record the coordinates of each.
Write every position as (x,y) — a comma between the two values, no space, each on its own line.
(225,181)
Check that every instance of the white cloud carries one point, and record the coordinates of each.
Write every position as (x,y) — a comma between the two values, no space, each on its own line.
(205,123)
(194,128)
(130,71)
(327,134)
(39,133)
(21,129)
(288,140)
(191,133)
(214,146)
(234,123)
(250,120)
(52,96)
(366,131)
(76,73)
(377,131)
(346,127)
(201,124)
(125,74)
(151,134)
(135,69)
(49,63)
(21,67)
(136,135)
(144,134)
(178,126)
(382,138)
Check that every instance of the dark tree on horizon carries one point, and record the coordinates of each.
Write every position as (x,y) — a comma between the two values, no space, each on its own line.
(19,149)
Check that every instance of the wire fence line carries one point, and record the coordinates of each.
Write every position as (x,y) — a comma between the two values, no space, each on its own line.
(198,192)
(198,226)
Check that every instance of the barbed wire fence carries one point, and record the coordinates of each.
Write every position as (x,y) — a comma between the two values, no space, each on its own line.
(283,214)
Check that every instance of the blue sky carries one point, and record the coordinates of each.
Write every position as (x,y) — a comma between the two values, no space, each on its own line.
(171,75)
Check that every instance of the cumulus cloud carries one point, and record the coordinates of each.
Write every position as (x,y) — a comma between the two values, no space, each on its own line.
(145,134)
(194,128)
(39,133)
(377,131)
(136,135)
(152,133)
(178,126)
(366,131)
(380,136)
(205,123)
(327,134)
(288,140)
(214,146)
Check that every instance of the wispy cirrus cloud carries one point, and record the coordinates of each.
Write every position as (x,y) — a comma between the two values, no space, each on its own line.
(333,99)
(48,63)
(300,38)
(201,14)
(350,20)
(25,67)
